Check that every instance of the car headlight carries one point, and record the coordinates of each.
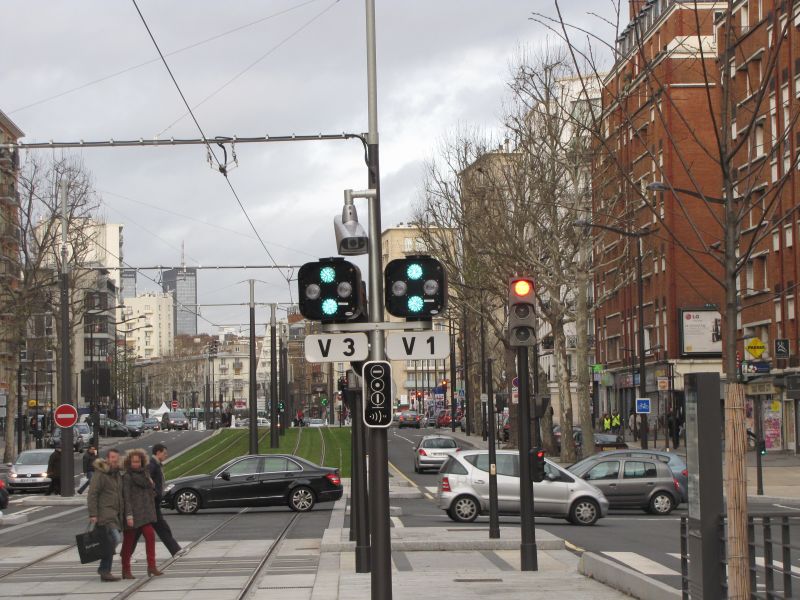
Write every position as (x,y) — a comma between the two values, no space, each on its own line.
(42,474)
(12,475)
(168,487)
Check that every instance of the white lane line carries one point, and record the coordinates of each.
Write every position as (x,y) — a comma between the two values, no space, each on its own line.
(405,438)
(777,564)
(42,520)
(428,496)
(432,488)
(398,524)
(788,507)
(641,563)
(674,555)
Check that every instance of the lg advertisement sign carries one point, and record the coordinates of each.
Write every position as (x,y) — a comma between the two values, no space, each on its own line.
(701,332)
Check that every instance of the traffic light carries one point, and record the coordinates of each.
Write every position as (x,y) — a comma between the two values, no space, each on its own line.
(280,406)
(415,287)
(329,290)
(323,401)
(537,464)
(761,446)
(521,313)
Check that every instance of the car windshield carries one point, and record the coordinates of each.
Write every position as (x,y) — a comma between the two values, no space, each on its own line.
(439,443)
(131,419)
(33,458)
(409,415)
(151,420)
(177,415)
(83,428)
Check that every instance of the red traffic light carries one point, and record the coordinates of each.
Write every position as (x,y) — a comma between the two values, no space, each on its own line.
(522,287)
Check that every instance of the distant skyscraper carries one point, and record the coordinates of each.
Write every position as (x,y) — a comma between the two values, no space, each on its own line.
(182,284)
(128,278)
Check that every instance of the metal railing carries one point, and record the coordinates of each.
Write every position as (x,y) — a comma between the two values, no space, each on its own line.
(771,554)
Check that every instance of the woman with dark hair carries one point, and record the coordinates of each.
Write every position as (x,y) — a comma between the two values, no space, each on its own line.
(138,494)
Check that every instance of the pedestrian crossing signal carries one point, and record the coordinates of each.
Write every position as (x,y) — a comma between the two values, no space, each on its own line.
(537,464)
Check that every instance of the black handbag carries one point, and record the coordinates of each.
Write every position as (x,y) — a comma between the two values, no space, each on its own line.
(94,544)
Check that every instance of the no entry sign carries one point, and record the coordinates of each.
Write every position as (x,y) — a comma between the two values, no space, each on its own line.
(65,415)
(174,405)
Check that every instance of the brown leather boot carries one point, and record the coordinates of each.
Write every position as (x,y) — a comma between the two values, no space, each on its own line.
(126,574)
(153,572)
(106,576)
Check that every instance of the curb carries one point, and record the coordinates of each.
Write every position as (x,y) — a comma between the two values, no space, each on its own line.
(625,579)
(394,511)
(77,500)
(770,499)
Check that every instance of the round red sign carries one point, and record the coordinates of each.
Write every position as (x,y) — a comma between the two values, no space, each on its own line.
(65,415)
(174,405)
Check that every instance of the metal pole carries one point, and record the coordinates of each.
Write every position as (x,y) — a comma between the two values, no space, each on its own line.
(20,424)
(282,383)
(537,421)
(640,335)
(274,440)
(67,462)
(528,557)
(359,500)
(465,377)
(483,372)
(253,425)
(759,438)
(494,520)
(381,558)
(452,377)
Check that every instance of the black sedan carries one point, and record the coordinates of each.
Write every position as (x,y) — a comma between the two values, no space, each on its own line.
(265,480)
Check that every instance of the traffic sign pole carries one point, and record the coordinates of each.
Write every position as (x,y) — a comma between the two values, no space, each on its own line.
(65,416)
(65,383)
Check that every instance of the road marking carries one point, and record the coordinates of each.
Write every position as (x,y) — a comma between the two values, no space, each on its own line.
(397,522)
(789,507)
(432,489)
(428,496)
(573,547)
(674,554)
(777,564)
(42,520)
(641,563)
(404,438)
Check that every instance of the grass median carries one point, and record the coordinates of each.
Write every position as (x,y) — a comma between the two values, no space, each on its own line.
(324,445)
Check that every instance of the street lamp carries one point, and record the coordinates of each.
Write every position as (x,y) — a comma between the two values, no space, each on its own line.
(640,296)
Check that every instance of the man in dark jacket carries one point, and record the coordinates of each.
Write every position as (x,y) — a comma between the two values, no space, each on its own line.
(88,467)
(156,472)
(54,471)
(106,505)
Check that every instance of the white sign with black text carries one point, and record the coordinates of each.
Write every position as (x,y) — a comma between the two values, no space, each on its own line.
(421,345)
(336,347)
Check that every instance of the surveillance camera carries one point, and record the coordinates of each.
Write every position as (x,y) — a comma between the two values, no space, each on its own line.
(351,239)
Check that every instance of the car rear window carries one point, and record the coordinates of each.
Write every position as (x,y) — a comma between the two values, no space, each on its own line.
(439,443)
(635,469)
(453,467)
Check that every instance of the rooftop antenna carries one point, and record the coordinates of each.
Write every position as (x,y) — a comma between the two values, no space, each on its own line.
(183,256)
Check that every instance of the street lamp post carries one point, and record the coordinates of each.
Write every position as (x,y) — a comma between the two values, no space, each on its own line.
(637,235)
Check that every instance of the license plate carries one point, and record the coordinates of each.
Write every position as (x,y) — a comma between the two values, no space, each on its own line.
(437,454)
(25,480)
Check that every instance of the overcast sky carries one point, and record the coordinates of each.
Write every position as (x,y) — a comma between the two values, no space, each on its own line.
(441,64)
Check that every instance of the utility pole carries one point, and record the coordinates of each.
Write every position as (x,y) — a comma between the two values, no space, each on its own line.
(274,440)
(282,385)
(483,372)
(465,375)
(640,336)
(528,557)
(252,395)
(67,463)
(381,558)
(494,521)
(20,423)
(452,377)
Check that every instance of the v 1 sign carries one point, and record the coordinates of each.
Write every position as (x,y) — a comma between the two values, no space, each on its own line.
(424,345)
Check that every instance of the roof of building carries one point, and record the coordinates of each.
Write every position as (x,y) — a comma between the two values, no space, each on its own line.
(7,123)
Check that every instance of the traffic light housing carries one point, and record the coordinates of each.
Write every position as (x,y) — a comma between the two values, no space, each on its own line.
(415,287)
(521,312)
(537,464)
(761,446)
(330,291)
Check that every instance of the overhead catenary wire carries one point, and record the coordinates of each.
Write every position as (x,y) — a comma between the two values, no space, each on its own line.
(211,152)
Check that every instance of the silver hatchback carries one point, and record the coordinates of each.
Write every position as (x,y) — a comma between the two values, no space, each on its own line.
(463,490)
(433,451)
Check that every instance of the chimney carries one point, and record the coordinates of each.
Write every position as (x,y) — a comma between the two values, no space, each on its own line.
(635,6)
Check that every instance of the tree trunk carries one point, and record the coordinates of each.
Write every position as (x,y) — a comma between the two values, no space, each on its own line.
(568,453)
(582,360)
(548,439)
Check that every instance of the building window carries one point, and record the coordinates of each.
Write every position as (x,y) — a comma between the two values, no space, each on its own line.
(759,139)
(787,235)
(778,317)
(790,308)
(776,240)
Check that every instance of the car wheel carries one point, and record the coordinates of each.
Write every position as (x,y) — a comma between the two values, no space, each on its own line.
(301,499)
(661,504)
(584,511)
(465,509)
(187,502)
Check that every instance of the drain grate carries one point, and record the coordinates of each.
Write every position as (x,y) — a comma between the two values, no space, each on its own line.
(487,580)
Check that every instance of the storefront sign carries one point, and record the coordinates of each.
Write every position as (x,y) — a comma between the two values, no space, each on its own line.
(755,347)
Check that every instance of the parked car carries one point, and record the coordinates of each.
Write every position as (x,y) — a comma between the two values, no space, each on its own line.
(152,424)
(262,422)
(77,439)
(409,418)
(463,490)
(602,441)
(113,428)
(430,420)
(269,480)
(85,432)
(433,451)
(638,482)
(3,495)
(175,420)
(29,472)
(443,418)
(673,460)
(135,421)
(316,422)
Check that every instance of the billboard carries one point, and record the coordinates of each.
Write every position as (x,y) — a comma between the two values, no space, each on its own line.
(701,332)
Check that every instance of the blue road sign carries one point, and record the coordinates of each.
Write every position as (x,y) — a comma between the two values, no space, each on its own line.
(643,406)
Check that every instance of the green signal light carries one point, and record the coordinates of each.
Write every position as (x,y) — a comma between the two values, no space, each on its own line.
(415,304)
(327,274)
(414,271)
(330,306)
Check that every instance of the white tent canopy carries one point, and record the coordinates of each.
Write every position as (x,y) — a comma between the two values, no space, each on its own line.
(155,412)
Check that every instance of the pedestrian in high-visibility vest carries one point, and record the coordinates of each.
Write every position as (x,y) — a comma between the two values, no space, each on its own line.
(615,422)
(606,422)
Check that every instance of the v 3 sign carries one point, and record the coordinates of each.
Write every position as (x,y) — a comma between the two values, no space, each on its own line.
(336,347)
(377,392)
(420,345)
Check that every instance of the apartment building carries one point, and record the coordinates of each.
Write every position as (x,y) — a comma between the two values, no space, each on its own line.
(148,321)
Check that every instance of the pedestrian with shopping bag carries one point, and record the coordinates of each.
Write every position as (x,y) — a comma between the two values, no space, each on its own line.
(161,527)
(105,505)
(138,492)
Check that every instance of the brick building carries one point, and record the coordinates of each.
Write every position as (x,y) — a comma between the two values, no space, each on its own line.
(656,127)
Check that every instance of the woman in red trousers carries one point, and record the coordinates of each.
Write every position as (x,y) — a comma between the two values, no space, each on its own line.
(138,493)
